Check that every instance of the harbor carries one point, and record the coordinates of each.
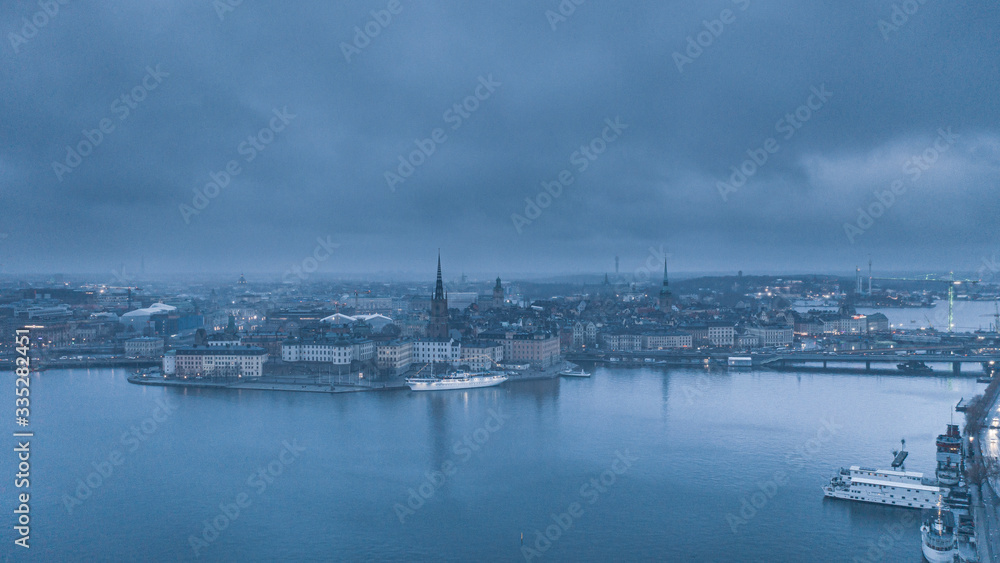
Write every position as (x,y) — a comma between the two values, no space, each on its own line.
(960,502)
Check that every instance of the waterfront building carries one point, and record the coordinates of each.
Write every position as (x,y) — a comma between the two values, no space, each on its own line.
(395,357)
(144,347)
(332,351)
(622,341)
(667,340)
(215,361)
(481,355)
(772,335)
(844,324)
(878,322)
(436,351)
(336,351)
(541,349)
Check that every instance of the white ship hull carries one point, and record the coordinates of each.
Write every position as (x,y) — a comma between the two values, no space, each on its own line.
(939,556)
(452,383)
(898,501)
(571,373)
(877,486)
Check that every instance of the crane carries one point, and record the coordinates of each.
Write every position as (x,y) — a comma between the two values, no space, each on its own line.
(951,281)
(356,291)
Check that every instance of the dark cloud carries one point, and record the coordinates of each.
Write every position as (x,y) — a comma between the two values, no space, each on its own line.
(323,174)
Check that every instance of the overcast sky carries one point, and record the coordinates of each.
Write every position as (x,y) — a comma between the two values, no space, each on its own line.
(340,109)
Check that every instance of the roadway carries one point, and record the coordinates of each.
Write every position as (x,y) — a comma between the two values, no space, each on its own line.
(988,513)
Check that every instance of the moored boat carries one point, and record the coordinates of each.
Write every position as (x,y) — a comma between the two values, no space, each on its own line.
(578,372)
(949,456)
(907,489)
(458,380)
(914,366)
(939,541)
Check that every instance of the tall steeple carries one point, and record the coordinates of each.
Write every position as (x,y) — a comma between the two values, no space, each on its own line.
(437,328)
(665,295)
(439,286)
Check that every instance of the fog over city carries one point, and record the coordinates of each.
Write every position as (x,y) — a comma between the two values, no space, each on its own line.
(198,136)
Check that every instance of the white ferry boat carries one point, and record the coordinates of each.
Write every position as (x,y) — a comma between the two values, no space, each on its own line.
(574,373)
(938,538)
(460,380)
(908,489)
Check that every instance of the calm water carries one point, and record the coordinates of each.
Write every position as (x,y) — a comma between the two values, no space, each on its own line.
(696,443)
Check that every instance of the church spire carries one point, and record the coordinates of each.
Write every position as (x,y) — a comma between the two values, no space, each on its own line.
(666,298)
(439,286)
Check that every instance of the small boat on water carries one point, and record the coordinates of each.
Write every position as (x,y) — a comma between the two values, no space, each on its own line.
(914,366)
(457,380)
(578,372)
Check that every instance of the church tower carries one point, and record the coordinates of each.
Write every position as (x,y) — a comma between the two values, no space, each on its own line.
(497,295)
(438,326)
(666,298)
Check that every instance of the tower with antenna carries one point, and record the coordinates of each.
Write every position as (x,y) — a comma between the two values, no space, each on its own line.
(869,275)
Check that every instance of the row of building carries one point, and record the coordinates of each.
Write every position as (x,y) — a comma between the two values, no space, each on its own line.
(219,357)
(719,336)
